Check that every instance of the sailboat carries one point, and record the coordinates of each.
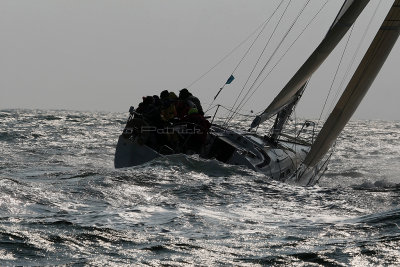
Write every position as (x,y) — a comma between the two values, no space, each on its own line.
(280,156)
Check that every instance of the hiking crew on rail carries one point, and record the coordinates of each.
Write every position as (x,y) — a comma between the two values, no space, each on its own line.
(159,116)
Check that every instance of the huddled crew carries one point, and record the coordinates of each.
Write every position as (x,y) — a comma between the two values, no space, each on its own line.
(168,110)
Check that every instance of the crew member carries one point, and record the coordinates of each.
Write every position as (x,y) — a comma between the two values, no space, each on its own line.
(185,95)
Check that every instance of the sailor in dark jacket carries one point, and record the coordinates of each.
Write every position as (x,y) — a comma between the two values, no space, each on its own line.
(185,95)
(150,111)
(200,126)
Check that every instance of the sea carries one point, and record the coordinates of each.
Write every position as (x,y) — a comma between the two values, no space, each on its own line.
(62,202)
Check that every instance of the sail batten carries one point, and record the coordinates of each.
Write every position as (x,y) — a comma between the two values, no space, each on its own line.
(343,22)
(358,86)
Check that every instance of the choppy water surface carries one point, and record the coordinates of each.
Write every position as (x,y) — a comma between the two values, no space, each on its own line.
(62,202)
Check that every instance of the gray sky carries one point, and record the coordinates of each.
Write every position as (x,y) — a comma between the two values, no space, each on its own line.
(106,55)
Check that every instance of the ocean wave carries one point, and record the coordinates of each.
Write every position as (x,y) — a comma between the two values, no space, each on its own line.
(380,185)
(62,201)
(390,218)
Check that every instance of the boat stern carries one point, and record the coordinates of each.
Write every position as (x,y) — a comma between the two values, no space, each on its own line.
(130,153)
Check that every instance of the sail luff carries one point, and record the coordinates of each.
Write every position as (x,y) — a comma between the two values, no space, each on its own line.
(358,86)
(345,6)
(342,24)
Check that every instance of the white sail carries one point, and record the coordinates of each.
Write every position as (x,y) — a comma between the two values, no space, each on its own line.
(343,22)
(358,85)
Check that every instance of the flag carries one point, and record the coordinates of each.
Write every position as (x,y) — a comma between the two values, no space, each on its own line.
(230,79)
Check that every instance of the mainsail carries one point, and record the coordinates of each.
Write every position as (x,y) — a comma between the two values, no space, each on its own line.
(358,85)
(348,14)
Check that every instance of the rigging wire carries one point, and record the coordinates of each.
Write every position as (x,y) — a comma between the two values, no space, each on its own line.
(244,100)
(280,59)
(378,45)
(347,72)
(336,73)
(258,60)
(262,25)
(266,24)
(333,147)
(230,110)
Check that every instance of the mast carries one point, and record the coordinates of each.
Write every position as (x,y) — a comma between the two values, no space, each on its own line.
(348,14)
(358,86)
(285,114)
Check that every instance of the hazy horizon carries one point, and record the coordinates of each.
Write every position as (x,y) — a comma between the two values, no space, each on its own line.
(105,55)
